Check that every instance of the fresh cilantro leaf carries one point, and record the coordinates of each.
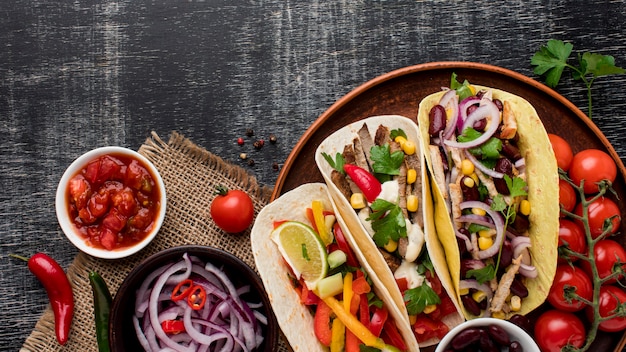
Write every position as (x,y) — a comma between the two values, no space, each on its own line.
(418,298)
(462,89)
(384,161)
(551,60)
(498,204)
(373,300)
(397,132)
(387,222)
(365,348)
(516,185)
(425,264)
(482,275)
(488,150)
(474,228)
(336,164)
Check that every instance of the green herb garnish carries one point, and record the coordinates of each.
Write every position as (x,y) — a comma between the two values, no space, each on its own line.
(419,298)
(387,222)
(462,89)
(384,161)
(483,275)
(336,164)
(397,132)
(488,150)
(551,60)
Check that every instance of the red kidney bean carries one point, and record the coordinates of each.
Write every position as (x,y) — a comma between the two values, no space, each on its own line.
(521,223)
(503,165)
(437,120)
(498,103)
(499,335)
(518,288)
(522,321)
(511,150)
(515,346)
(471,305)
(470,264)
(465,338)
(486,343)
(469,193)
(506,256)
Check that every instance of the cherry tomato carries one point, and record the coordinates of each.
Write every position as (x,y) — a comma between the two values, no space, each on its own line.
(573,236)
(600,210)
(568,280)
(567,196)
(232,210)
(555,329)
(610,298)
(593,166)
(607,253)
(562,151)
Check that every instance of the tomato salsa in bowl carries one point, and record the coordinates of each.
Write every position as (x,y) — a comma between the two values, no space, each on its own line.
(111,202)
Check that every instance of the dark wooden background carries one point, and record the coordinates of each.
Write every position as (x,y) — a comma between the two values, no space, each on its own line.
(75,75)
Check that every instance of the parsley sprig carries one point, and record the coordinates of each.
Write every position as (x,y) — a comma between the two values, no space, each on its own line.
(552,59)
(387,222)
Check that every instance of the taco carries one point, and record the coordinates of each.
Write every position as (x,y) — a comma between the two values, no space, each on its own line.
(496,197)
(307,304)
(376,176)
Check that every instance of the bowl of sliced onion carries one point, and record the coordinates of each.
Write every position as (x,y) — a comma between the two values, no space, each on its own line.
(192,298)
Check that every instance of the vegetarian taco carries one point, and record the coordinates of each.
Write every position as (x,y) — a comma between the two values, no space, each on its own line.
(376,175)
(496,197)
(323,296)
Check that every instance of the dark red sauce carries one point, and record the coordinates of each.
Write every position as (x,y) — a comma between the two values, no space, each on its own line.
(114,201)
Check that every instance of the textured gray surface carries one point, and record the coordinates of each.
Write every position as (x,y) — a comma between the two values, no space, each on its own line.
(82,74)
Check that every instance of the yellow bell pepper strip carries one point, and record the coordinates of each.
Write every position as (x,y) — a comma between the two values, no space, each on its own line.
(338,333)
(347,291)
(320,224)
(353,324)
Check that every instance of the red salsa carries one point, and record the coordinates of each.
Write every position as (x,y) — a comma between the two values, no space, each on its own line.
(113,201)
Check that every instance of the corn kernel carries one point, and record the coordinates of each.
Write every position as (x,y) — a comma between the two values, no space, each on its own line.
(411,176)
(484,243)
(408,147)
(357,201)
(516,303)
(475,178)
(412,203)
(486,233)
(524,207)
(391,246)
(400,140)
(463,291)
(430,308)
(469,182)
(467,167)
(472,89)
(478,211)
(498,315)
(412,319)
(479,296)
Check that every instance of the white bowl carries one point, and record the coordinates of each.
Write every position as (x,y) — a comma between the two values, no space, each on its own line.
(63,216)
(515,333)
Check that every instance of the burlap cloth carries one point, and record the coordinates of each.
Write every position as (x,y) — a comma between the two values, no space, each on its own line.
(190,174)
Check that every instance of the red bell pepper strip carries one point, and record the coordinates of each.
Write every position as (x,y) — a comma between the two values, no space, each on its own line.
(321,323)
(367,183)
(197,297)
(182,290)
(392,336)
(360,285)
(59,291)
(173,326)
(378,319)
(340,238)
(352,342)
(364,311)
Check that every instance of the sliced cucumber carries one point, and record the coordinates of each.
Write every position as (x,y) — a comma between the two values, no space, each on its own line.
(330,286)
(336,258)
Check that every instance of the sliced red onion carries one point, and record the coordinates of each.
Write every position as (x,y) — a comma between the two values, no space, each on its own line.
(520,163)
(468,242)
(529,271)
(487,109)
(450,100)
(498,222)
(477,219)
(473,284)
(481,166)
(463,105)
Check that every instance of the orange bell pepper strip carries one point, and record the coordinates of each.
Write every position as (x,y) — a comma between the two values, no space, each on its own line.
(354,325)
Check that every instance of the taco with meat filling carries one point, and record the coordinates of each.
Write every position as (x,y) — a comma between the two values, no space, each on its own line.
(324,296)
(376,175)
(495,187)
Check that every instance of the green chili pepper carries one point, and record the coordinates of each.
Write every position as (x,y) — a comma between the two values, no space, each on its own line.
(102,310)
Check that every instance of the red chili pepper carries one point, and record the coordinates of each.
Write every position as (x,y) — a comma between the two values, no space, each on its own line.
(59,291)
(197,297)
(173,326)
(182,290)
(367,183)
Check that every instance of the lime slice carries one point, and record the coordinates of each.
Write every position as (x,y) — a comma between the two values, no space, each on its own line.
(303,250)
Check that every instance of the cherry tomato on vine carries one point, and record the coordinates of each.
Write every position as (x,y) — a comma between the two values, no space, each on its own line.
(232,210)
(572,234)
(555,329)
(593,166)
(610,298)
(600,210)
(567,196)
(607,253)
(562,151)
(567,281)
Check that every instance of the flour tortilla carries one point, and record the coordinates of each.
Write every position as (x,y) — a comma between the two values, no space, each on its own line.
(542,179)
(294,318)
(368,252)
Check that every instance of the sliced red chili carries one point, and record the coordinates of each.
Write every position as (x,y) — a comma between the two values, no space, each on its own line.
(173,326)
(197,297)
(182,290)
